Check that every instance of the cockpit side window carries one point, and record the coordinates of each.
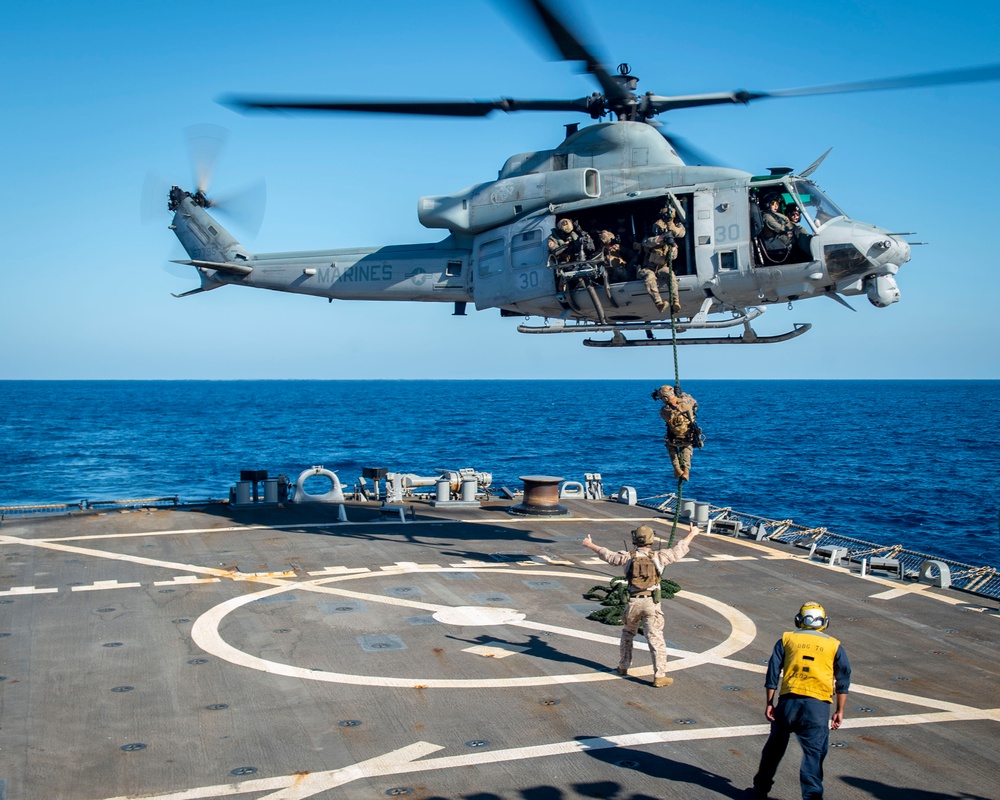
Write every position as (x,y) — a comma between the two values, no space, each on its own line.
(819,209)
(781,233)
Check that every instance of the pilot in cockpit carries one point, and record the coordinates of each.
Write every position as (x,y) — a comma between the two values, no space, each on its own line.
(778,234)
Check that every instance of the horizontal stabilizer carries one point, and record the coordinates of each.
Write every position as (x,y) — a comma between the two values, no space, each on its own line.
(197,291)
(232,269)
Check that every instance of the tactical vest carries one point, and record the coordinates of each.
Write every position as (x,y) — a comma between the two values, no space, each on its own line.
(642,575)
(678,425)
(808,666)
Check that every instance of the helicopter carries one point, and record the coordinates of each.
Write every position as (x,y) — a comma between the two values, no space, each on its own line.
(612,179)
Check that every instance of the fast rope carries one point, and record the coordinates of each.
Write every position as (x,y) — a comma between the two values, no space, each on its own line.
(677,386)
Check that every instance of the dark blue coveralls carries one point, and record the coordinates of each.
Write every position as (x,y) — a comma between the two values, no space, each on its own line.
(806,717)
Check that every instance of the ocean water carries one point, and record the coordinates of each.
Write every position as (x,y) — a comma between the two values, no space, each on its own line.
(910,462)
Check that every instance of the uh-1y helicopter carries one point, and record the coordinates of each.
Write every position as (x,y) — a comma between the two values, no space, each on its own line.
(615,175)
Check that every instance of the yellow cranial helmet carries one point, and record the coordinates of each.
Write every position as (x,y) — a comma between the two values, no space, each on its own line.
(642,535)
(812,617)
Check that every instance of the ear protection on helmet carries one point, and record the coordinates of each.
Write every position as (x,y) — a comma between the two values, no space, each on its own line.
(812,617)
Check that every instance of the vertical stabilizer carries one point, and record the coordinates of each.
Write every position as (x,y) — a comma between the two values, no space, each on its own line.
(209,245)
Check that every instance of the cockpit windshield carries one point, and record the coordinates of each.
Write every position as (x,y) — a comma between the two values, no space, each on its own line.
(818,206)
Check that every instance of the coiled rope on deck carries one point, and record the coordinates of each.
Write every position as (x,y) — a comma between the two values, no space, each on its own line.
(614,598)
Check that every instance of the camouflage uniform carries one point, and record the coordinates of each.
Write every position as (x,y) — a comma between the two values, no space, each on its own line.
(643,608)
(683,434)
(569,242)
(562,241)
(662,248)
(611,253)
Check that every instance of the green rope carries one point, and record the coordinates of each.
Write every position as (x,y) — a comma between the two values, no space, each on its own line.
(677,389)
(614,598)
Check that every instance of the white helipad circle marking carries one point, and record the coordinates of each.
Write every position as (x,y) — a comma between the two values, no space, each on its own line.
(205,633)
(470,616)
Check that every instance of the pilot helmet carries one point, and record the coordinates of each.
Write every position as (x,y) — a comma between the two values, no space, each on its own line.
(565,225)
(812,617)
(790,209)
(642,536)
(771,197)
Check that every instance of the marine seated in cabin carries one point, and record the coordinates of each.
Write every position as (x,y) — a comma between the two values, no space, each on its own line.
(561,242)
(569,243)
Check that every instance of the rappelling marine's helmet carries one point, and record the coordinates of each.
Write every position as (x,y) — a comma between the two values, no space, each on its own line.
(565,225)
(812,617)
(664,393)
(642,536)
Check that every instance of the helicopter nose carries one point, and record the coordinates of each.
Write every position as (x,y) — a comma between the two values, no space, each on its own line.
(889,250)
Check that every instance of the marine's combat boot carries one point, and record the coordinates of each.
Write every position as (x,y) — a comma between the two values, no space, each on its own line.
(663,680)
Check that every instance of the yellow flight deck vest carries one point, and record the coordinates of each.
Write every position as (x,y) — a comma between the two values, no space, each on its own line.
(808,667)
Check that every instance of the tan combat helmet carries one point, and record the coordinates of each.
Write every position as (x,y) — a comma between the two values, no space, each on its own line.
(565,225)
(664,393)
(606,237)
(643,536)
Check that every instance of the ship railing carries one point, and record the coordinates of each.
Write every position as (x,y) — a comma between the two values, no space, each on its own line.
(983,581)
(90,505)
(41,508)
(136,502)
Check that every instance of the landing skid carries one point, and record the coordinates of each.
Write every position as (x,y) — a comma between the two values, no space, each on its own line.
(747,337)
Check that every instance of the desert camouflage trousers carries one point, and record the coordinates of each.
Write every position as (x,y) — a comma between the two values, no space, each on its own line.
(652,281)
(680,457)
(644,611)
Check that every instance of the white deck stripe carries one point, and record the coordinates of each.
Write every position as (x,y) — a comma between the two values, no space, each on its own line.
(401,762)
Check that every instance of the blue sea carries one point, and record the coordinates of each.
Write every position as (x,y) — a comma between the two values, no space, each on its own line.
(909,462)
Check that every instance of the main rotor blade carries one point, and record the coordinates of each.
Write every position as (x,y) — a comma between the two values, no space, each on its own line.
(990,72)
(435,108)
(658,104)
(571,48)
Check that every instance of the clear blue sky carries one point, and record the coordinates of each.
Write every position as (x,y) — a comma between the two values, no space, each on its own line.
(99,94)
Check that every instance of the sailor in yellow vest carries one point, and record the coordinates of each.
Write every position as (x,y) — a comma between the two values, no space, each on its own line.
(643,568)
(811,669)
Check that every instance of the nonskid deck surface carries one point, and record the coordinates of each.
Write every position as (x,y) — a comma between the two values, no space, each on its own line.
(278,653)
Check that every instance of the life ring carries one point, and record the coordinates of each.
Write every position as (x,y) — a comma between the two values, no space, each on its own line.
(335,495)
